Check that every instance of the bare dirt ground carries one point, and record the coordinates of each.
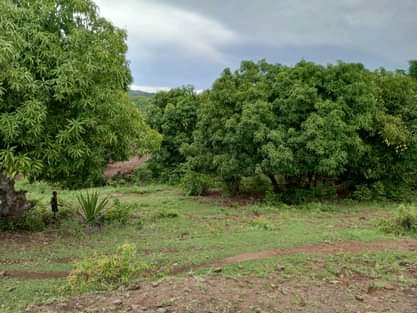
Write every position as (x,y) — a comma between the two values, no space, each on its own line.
(275,293)
(249,294)
(125,167)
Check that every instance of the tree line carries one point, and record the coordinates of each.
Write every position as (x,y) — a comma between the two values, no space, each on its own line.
(295,131)
(291,131)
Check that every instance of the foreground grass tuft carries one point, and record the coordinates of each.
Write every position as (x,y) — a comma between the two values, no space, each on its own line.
(405,222)
(106,272)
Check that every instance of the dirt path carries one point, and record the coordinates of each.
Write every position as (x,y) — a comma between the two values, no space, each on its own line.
(324,248)
(26,275)
(347,246)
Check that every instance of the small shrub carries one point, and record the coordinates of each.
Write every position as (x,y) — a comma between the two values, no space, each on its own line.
(300,195)
(118,213)
(33,220)
(259,184)
(142,175)
(272,198)
(404,223)
(67,211)
(167,214)
(376,191)
(106,272)
(196,184)
(261,224)
(92,209)
(71,228)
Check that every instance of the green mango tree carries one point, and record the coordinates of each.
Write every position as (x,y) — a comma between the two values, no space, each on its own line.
(64,107)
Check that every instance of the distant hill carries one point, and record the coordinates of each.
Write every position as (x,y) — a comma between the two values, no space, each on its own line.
(140,93)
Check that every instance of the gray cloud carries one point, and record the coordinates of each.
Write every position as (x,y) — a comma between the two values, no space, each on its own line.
(202,37)
(385,27)
(154,25)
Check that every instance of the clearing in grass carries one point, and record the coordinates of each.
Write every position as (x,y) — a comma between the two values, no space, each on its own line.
(201,254)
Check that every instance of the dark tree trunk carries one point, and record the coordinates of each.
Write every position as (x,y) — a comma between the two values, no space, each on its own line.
(274,182)
(12,203)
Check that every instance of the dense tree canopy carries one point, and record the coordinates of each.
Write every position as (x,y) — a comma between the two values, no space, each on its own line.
(63,92)
(174,115)
(412,69)
(307,126)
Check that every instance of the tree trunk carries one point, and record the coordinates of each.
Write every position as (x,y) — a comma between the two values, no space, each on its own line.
(12,203)
(274,183)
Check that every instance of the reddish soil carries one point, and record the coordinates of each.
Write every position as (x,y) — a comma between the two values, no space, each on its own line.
(333,248)
(341,247)
(25,275)
(250,294)
(125,167)
(275,293)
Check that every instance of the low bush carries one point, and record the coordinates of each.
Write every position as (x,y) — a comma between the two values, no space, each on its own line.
(196,184)
(118,213)
(106,272)
(166,214)
(405,222)
(33,220)
(261,224)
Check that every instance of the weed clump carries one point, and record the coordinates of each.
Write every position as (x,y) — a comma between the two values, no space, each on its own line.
(167,214)
(106,272)
(261,224)
(404,223)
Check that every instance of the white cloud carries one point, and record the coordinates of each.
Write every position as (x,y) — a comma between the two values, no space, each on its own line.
(149,88)
(153,24)
(153,89)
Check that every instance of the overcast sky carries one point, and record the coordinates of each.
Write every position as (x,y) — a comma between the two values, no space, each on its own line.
(178,42)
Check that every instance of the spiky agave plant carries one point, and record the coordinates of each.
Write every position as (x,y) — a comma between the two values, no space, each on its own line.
(92,209)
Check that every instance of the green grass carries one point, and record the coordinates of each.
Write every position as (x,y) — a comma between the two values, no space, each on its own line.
(15,294)
(169,228)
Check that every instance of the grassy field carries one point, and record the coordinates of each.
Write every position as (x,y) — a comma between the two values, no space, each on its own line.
(206,236)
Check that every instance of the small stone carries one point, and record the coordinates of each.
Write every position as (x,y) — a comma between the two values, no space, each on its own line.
(389,287)
(134,287)
(155,284)
(117,302)
(134,307)
(273,286)
(334,282)
(162,310)
(359,298)
(284,291)
(218,270)
(280,268)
